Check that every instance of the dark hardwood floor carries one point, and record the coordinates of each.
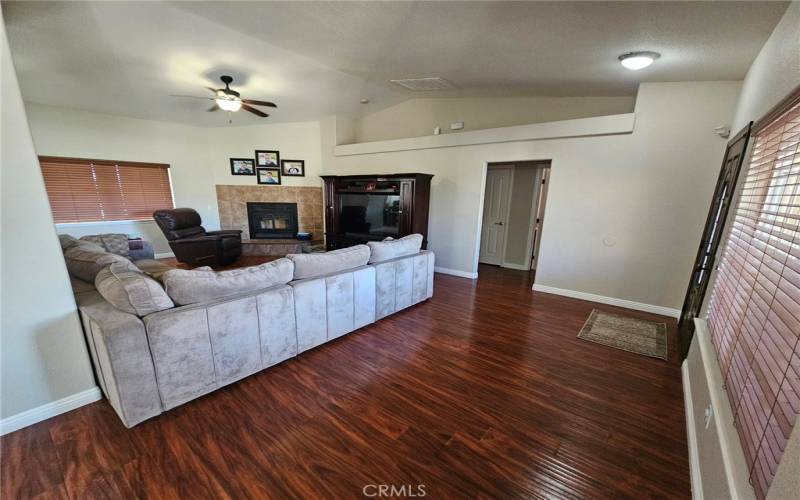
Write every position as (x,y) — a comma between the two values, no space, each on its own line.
(482,392)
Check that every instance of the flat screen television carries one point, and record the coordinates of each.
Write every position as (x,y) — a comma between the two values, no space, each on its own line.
(374,215)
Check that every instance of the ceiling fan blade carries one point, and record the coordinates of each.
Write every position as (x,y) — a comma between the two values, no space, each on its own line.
(254,111)
(212,90)
(260,103)
(192,97)
(214,108)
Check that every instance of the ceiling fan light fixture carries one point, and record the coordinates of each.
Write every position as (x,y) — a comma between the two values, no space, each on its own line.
(228,104)
(635,61)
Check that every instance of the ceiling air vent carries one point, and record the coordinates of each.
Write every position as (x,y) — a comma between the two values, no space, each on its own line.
(424,84)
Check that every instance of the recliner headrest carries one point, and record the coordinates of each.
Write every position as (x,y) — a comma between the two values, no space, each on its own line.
(178,222)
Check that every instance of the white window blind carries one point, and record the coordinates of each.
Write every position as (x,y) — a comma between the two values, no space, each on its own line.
(754,312)
(82,190)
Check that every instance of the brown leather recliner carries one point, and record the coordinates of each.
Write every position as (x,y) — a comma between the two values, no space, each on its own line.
(192,244)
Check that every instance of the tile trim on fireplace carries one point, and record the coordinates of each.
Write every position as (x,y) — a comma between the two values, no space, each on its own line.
(232,202)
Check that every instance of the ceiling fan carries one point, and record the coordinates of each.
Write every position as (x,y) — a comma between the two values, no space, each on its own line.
(229,100)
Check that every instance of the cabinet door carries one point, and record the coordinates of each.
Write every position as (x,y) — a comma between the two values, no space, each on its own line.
(406,207)
(330,207)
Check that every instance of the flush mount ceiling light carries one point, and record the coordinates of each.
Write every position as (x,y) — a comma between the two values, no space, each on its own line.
(638,60)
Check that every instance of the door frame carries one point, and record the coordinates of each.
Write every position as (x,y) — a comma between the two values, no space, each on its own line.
(482,201)
(541,203)
(498,166)
(715,230)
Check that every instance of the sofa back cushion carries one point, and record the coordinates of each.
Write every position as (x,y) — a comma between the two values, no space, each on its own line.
(196,286)
(131,290)
(112,242)
(86,259)
(312,265)
(391,249)
(67,241)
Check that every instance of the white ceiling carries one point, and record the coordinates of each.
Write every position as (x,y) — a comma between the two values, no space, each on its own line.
(320,58)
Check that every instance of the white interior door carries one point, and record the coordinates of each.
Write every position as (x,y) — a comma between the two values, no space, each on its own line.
(495,215)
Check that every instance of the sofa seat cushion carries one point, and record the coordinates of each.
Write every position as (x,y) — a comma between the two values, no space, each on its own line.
(86,259)
(112,242)
(203,285)
(391,249)
(154,268)
(131,290)
(312,265)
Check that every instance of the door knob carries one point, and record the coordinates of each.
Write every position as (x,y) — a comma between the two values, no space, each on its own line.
(499,223)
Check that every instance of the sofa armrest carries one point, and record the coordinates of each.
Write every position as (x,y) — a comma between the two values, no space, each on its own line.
(145,252)
(122,359)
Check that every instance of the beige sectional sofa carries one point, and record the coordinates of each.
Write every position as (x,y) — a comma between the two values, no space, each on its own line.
(149,364)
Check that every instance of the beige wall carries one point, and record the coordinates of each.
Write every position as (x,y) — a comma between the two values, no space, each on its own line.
(198,157)
(772,76)
(418,117)
(775,72)
(624,212)
(295,141)
(82,134)
(44,356)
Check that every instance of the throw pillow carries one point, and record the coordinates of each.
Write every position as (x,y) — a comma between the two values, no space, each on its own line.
(131,290)
(312,265)
(86,259)
(392,249)
(116,243)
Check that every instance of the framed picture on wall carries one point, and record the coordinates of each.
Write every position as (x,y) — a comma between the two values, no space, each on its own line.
(269,176)
(295,168)
(243,166)
(268,158)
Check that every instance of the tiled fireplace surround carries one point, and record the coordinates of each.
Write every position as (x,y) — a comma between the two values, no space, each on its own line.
(232,202)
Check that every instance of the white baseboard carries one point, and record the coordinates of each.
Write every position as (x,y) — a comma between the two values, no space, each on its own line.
(518,267)
(456,272)
(164,255)
(63,405)
(694,455)
(612,301)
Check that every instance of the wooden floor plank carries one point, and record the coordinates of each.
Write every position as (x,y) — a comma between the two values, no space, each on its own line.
(483,391)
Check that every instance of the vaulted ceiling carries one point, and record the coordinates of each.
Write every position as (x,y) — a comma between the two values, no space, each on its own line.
(321,58)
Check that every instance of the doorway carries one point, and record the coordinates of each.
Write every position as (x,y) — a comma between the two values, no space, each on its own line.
(513,214)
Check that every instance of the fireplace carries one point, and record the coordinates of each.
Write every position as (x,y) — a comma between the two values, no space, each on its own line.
(272,220)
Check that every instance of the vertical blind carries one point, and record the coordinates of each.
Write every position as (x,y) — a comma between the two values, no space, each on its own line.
(754,312)
(99,190)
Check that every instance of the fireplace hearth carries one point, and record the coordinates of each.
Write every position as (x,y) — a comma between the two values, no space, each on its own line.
(272,220)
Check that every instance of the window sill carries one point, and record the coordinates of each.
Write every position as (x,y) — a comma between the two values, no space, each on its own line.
(103,223)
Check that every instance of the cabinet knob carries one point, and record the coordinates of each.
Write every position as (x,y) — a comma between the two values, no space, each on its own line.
(399,211)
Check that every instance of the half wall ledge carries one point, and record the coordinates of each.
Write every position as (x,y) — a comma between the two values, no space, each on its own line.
(579,127)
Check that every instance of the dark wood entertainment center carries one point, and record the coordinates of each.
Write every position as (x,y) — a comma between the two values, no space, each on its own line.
(361,208)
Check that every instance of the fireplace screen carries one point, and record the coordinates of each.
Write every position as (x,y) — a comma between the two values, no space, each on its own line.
(272,220)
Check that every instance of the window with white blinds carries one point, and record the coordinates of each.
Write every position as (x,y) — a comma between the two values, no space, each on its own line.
(83,190)
(754,312)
